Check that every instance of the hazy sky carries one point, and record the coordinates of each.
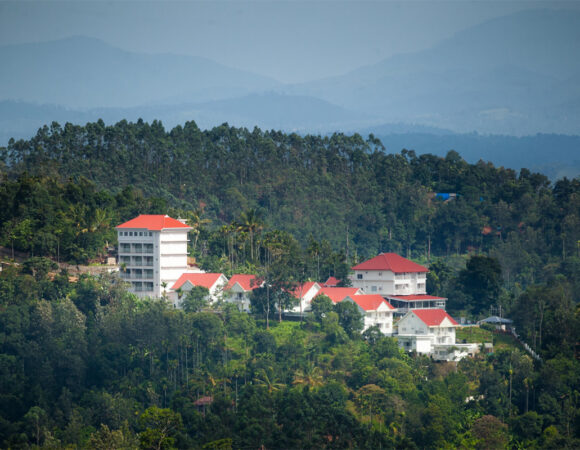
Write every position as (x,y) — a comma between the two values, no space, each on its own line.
(291,41)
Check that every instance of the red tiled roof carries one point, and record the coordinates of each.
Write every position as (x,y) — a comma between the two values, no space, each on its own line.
(197,279)
(305,288)
(156,222)
(331,282)
(338,294)
(414,297)
(433,317)
(392,262)
(370,302)
(247,282)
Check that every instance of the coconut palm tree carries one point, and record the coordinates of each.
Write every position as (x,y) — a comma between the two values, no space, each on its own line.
(268,380)
(250,222)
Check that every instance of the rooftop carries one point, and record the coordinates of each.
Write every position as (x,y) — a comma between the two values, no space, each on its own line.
(392,262)
(154,222)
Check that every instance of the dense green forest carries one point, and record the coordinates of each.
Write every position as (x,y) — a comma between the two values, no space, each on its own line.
(86,364)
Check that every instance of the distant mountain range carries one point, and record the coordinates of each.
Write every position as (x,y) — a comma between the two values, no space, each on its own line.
(513,76)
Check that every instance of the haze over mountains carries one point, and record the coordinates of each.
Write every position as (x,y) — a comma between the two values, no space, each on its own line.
(516,75)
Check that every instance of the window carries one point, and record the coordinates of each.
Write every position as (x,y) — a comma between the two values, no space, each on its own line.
(373,289)
(359,276)
(140,233)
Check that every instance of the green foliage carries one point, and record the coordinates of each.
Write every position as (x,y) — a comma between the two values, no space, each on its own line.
(320,306)
(195,299)
(349,317)
(100,356)
(159,428)
(80,360)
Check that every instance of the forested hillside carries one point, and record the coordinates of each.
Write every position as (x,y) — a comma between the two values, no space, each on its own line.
(327,187)
(83,363)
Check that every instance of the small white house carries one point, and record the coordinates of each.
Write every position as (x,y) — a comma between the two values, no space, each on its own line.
(239,289)
(376,311)
(214,282)
(305,293)
(429,331)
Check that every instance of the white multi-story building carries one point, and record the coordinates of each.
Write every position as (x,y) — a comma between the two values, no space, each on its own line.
(152,253)
(401,281)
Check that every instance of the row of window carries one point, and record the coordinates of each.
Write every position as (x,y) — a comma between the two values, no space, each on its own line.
(135,248)
(139,286)
(146,274)
(135,233)
(146,261)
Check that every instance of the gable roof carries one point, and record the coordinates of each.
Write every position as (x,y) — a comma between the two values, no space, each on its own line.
(207,280)
(433,317)
(153,222)
(338,294)
(370,302)
(392,262)
(246,282)
(331,282)
(305,288)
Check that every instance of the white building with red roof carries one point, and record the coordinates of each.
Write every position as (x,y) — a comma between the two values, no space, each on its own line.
(214,282)
(239,288)
(432,332)
(304,293)
(401,281)
(152,253)
(375,310)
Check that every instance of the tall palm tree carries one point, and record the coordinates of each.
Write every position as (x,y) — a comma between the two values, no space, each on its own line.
(251,222)
(268,381)
(310,376)
(195,221)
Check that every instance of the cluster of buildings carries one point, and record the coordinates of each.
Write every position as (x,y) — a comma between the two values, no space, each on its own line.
(152,256)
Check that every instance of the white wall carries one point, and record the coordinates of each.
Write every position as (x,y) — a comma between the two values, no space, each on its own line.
(389,283)
(168,249)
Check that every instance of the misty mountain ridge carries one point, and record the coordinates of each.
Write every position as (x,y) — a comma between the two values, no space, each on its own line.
(81,72)
(517,65)
(514,75)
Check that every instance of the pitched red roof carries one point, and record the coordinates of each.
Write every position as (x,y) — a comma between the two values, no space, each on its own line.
(415,297)
(338,294)
(433,317)
(155,222)
(247,282)
(370,302)
(392,262)
(331,282)
(197,279)
(305,288)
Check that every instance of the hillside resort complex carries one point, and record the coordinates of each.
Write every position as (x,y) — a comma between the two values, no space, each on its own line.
(153,259)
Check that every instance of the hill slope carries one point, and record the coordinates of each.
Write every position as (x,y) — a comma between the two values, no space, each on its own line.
(81,72)
(512,75)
